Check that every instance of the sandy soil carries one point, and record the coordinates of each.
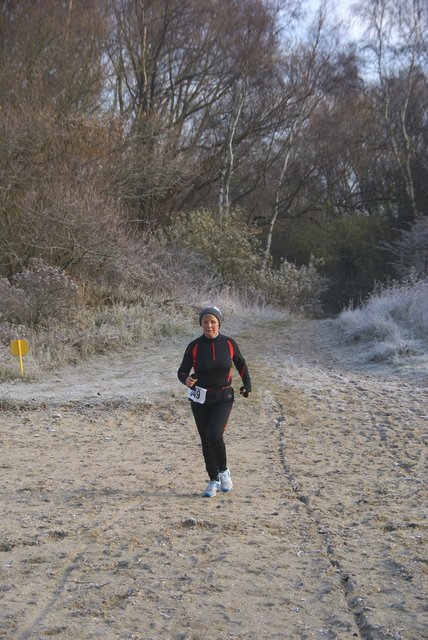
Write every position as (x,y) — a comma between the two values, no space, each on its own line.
(104,533)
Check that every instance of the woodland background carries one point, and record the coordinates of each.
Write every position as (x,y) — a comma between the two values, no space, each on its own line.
(155,153)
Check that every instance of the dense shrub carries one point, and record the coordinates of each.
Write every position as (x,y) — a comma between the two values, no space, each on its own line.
(148,272)
(235,256)
(143,292)
(227,247)
(38,294)
(297,288)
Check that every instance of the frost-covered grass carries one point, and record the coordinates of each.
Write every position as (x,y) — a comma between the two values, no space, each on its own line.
(240,304)
(117,327)
(393,322)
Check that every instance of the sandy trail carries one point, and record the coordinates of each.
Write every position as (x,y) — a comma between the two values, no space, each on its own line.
(105,535)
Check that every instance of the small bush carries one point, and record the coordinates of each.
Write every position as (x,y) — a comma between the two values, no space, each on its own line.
(394,319)
(37,295)
(227,247)
(411,250)
(297,288)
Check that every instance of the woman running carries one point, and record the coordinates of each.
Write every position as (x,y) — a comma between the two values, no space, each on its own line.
(211,357)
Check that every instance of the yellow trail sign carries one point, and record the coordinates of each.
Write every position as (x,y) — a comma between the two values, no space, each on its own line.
(19,348)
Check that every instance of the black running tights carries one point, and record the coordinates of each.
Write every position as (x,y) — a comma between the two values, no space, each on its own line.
(211,420)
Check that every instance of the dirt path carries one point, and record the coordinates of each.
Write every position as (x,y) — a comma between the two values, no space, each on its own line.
(105,535)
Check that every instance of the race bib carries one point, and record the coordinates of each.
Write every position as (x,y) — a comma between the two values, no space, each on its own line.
(197,394)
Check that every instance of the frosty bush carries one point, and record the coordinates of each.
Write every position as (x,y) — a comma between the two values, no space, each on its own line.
(407,304)
(297,288)
(37,295)
(411,251)
(149,273)
(394,319)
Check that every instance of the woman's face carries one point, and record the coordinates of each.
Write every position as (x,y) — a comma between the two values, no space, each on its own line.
(210,325)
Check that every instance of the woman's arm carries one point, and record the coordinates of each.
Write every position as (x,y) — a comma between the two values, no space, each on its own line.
(185,368)
(241,366)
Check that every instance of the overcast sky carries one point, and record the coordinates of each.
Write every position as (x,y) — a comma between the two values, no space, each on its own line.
(343,8)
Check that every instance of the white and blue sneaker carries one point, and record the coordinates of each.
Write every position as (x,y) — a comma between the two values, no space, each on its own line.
(225,480)
(212,489)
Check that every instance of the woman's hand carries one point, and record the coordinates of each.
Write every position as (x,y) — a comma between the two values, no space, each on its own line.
(190,381)
(244,392)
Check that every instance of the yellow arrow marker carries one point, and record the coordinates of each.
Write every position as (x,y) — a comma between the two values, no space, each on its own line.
(19,348)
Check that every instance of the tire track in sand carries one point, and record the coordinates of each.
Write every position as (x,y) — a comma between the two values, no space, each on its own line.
(353,447)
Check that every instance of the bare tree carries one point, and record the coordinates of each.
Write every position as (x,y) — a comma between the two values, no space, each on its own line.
(396,44)
(51,54)
(252,40)
(198,75)
(307,81)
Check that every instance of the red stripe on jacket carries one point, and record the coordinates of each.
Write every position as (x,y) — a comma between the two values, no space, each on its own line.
(194,352)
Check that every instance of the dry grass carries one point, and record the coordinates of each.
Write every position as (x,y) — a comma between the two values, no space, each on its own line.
(110,329)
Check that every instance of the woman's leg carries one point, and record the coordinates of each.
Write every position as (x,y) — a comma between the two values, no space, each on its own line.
(218,421)
(211,421)
(201,413)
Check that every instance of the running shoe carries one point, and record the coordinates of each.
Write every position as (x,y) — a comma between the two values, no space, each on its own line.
(225,480)
(212,489)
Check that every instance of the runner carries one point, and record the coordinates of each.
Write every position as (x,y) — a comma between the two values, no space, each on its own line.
(211,357)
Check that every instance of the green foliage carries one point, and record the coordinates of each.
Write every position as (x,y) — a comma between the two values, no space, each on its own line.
(299,289)
(232,252)
(350,247)
(227,246)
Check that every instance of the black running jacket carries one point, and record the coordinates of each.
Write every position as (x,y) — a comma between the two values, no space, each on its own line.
(211,360)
